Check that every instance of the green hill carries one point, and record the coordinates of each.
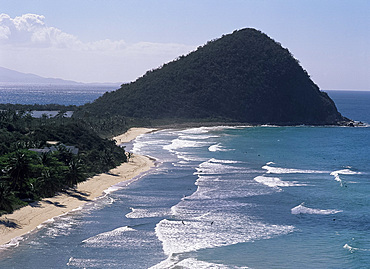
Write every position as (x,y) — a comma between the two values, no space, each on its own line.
(243,77)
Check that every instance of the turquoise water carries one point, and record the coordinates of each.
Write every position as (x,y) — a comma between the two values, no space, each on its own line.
(225,197)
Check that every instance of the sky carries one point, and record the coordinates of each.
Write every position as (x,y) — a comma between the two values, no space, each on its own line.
(119,40)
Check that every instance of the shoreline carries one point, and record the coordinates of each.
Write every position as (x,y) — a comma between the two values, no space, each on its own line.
(28,218)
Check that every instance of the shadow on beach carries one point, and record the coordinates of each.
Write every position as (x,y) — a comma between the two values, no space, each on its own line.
(9,224)
(78,195)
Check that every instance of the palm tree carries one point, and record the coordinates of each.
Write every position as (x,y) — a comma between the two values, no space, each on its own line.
(46,184)
(75,172)
(18,169)
(6,198)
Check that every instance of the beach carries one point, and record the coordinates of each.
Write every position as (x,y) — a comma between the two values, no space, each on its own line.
(28,218)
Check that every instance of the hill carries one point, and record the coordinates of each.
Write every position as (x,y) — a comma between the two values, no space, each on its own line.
(243,77)
(12,76)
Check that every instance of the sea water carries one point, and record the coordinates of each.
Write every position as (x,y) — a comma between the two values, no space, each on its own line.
(29,94)
(225,197)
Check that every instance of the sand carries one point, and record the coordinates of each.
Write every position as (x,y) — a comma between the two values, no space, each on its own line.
(28,218)
(131,134)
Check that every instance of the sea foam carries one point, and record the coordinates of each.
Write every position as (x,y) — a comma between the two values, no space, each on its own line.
(137,213)
(113,239)
(215,230)
(176,262)
(301,209)
(218,147)
(276,182)
(343,172)
(181,143)
(281,170)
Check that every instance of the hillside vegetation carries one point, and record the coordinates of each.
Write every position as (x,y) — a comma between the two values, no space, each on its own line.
(242,77)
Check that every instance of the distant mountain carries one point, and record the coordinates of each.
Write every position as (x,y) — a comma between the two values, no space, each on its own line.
(12,76)
(243,77)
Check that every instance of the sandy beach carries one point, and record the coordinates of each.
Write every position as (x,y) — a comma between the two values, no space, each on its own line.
(30,217)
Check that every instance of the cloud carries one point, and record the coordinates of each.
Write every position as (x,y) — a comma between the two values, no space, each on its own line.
(28,44)
(30,30)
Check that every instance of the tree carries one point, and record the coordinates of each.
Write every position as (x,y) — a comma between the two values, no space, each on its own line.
(6,197)
(75,172)
(19,168)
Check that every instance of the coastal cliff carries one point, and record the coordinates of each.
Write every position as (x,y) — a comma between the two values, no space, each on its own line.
(241,77)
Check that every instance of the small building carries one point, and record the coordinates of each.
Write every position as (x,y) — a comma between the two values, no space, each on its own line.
(53,146)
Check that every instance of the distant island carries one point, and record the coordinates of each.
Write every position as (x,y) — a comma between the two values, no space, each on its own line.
(244,77)
(12,76)
(8,76)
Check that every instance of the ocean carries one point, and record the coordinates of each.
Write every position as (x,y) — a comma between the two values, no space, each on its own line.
(30,94)
(225,197)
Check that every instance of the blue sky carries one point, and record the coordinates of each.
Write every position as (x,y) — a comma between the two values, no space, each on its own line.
(119,40)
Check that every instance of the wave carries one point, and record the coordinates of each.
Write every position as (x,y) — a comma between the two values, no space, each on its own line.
(203,130)
(214,166)
(215,230)
(142,142)
(114,238)
(181,143)
(353,249)
(61,225)
(175,261)
(189,157)
(346,171)
(218,147)
(280,170)
(93,263)
(275,182)
(137,213)
(198,137)
(301,209)
(14,242)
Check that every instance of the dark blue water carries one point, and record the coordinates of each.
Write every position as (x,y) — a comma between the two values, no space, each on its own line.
(52,94)
(352,104)
(226,197)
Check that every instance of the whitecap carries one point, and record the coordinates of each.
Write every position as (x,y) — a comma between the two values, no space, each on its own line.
(343,172)
(137,213)
(204,130)
(218,147)
(281,170)
(91,263)
(212,166)
(213,160)
(174,261)
(114,238)
(275,182)
(62,225)
(198,137)
(301,209)
(14,242)
(215,230)
(353,249)
(189,157)
(199,130)
(181,143)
